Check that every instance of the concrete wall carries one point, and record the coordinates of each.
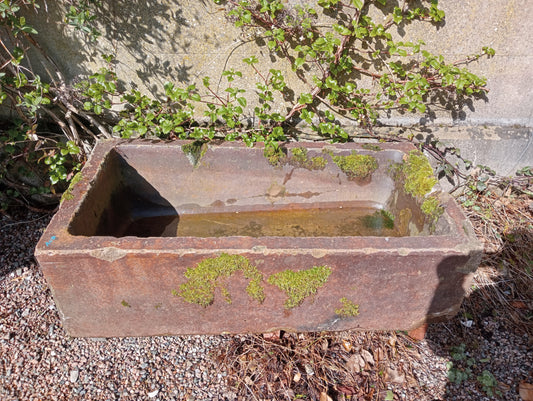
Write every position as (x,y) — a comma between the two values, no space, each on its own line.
(185,40)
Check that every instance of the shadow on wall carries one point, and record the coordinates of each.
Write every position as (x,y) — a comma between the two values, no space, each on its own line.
(135,26)
(183,40)
(138,28)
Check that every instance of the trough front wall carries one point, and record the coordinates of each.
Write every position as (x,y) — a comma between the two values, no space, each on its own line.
(130,293)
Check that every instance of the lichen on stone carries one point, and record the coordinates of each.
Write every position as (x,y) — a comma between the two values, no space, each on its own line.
(298,285)
(210,273)
(356,165)
(348,308)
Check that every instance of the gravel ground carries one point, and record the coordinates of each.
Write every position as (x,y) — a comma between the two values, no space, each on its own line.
(39,362)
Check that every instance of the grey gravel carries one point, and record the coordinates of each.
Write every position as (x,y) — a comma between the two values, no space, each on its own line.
(39,362)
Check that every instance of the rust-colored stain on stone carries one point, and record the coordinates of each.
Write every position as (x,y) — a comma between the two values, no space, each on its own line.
(143,218)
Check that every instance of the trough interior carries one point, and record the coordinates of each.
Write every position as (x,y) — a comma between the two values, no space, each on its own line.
(164,191)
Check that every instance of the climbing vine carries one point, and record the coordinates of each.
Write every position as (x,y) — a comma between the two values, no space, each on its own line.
(351,67)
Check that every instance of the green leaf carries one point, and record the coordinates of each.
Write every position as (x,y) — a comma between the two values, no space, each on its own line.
(298,62)
(250,60)
(342,30)
(489,51)
(305,98)
(242,101)
(357,4)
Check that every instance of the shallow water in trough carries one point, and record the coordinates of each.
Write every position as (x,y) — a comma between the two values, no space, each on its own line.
(310,222)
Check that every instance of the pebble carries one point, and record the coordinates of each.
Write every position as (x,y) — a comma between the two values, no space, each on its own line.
(73,376)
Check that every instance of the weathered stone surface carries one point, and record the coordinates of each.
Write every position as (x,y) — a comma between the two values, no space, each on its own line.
(185,40)
(107,284)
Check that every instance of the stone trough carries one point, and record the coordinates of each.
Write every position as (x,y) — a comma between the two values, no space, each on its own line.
(171,238)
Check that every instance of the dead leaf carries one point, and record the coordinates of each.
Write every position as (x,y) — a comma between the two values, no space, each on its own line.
(392,376)
(419,333)
(525,390)
(355,363)
(379,355)
(347,345)
(367,356)
(325,397)
(518,305)
(297,377)
(349,391)
(273,336)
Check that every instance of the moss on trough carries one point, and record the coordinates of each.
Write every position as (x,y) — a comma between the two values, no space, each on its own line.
(348,308)
(432,208)
(371,146)
(210,274)
(418,181)
(380,219)
(419,177)
(275,154)
(194,151)
(298,285)
(356,165)
(301,159)
(67,195)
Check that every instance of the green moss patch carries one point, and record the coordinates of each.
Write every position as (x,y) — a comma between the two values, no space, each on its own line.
(210,273)
(418,180)
(348,308)
(419,177)
(194,151)
(380,219)
(275,154)
(67,195)
(371,146)
(298,285)
(300,158)
(356,165)
(432,208)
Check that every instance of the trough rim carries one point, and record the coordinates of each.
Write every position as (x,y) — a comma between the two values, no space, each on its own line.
(57,239)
